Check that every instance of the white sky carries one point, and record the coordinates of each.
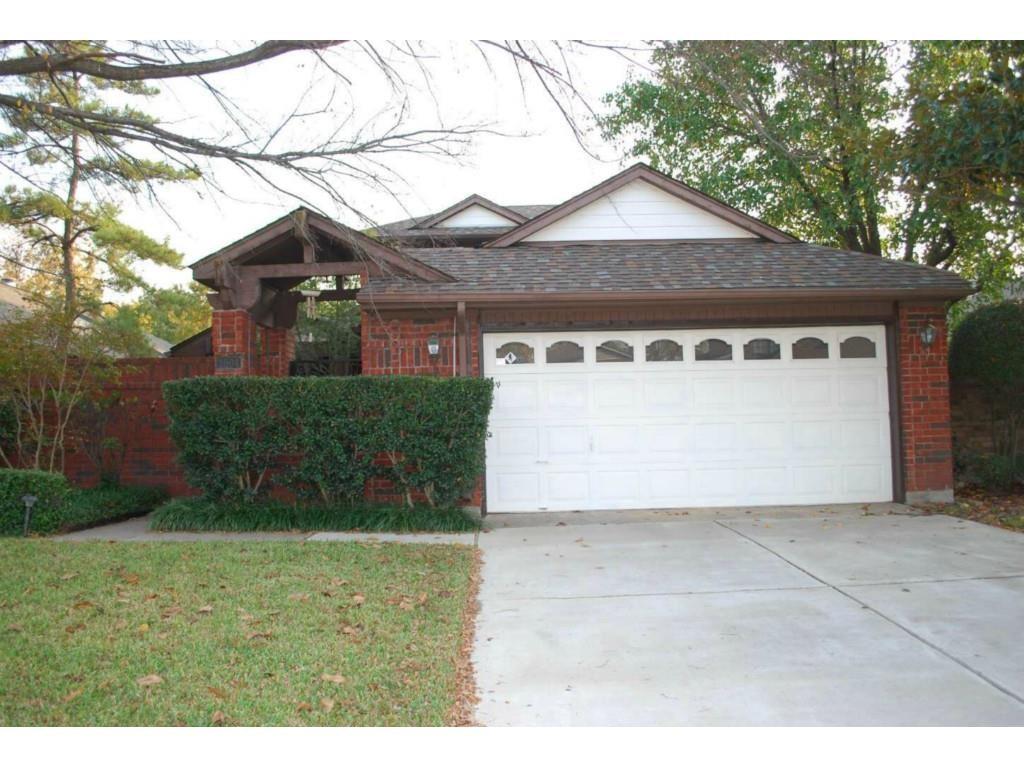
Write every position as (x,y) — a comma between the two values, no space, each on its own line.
(537,161)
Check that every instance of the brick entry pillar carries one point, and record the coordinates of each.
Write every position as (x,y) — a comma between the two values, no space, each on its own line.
(241,347)
(234,342)
(924,397)
(277,350)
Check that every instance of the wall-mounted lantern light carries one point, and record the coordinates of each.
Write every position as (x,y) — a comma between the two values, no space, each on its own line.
(928,335)
(433,345)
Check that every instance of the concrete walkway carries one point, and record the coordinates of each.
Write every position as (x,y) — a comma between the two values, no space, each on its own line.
(137,529)
(772,617)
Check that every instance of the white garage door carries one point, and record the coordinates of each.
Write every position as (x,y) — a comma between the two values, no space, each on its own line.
(711,417)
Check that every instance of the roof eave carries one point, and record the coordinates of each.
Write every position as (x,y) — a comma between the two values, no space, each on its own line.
(642,297)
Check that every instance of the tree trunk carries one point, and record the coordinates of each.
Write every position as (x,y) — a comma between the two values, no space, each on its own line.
(67,241)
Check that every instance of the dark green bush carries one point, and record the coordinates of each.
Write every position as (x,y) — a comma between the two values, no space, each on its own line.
(988,470)
(93,506)
(229,431)
(322,437)
(199,514)
(986,352)
(62,508)
(51,491)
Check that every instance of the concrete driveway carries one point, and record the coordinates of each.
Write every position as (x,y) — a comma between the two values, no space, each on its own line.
(786,617)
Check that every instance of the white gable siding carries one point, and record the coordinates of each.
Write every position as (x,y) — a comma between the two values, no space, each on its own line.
(639,211)
(476,216)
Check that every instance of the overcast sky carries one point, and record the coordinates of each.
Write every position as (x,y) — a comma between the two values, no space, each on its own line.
(538,160)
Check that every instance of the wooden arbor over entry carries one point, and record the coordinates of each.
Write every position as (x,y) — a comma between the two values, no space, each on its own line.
(253,279)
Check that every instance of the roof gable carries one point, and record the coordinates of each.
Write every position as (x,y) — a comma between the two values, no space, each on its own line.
(642,204)
(299,224)
(475,206)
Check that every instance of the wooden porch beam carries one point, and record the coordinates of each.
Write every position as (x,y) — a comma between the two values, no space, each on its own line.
(306,269)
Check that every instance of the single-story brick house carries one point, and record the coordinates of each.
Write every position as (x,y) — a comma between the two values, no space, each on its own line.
(653,347)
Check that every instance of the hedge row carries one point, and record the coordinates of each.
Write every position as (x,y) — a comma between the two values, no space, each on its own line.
(326,437)
(60,508)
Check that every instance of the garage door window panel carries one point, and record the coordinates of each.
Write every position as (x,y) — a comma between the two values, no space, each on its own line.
(762,349)
(514,353)
(614,351)
(713,350)
(664,351)
(857,348)
(810,348)
(564,352)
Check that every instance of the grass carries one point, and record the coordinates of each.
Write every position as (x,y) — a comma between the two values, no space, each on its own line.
(267,633)
(196,514)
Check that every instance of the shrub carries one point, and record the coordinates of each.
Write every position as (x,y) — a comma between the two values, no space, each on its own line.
(106,504)
(50,489)
(987,352)
(229,431)
(989,471)
(324,437)
(199,514)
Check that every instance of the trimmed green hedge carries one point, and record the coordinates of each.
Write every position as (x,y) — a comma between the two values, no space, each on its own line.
(92,506)
(199,514)
(50,489)
(62,508)
(325,437)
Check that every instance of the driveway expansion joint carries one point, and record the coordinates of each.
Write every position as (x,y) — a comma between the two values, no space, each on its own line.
(982,676)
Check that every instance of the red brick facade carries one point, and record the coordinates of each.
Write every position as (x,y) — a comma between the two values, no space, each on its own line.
(139,424)
(242,347)
(924,404)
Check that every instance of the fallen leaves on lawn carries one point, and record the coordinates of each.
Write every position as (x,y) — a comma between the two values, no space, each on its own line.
(259,636)
(217,693)
(304,706)
(326,704)
(205,609)
(82,604)
(219,718)
(339,679)
(299,596)
(358,599)
(72,628)
(149,680)
(72,695)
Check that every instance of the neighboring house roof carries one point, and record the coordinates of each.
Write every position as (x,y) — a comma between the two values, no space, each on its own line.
(12,301)
(636,270)
(513,217)
(643,172)
(420,222)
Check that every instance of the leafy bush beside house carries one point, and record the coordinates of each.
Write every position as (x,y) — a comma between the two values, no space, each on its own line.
(326,437)
(987,353)
(59,507)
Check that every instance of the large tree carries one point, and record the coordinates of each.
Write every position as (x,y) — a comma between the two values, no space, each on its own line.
(74,133)
(914,150)
(70,234)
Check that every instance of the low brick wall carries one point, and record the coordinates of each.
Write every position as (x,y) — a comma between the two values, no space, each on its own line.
(140,421)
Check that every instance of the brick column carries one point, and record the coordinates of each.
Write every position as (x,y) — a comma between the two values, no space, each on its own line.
(924,395)
(234,342)
(277,350)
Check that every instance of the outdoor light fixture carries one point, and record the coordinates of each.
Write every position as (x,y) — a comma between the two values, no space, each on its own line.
(29,501)
(433,345)
(928,335)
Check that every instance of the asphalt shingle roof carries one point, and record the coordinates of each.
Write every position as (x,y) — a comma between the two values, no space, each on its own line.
(624,267)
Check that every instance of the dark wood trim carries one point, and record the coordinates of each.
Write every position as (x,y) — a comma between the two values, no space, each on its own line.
(462,338)
(376,253)
(684,325)
(304,269)
(469,202)
(643,172)
(618,298)
(892,342)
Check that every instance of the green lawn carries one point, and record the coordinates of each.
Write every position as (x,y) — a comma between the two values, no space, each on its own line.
(263,633)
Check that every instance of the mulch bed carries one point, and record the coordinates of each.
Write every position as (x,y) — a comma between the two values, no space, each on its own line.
(1004,509)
